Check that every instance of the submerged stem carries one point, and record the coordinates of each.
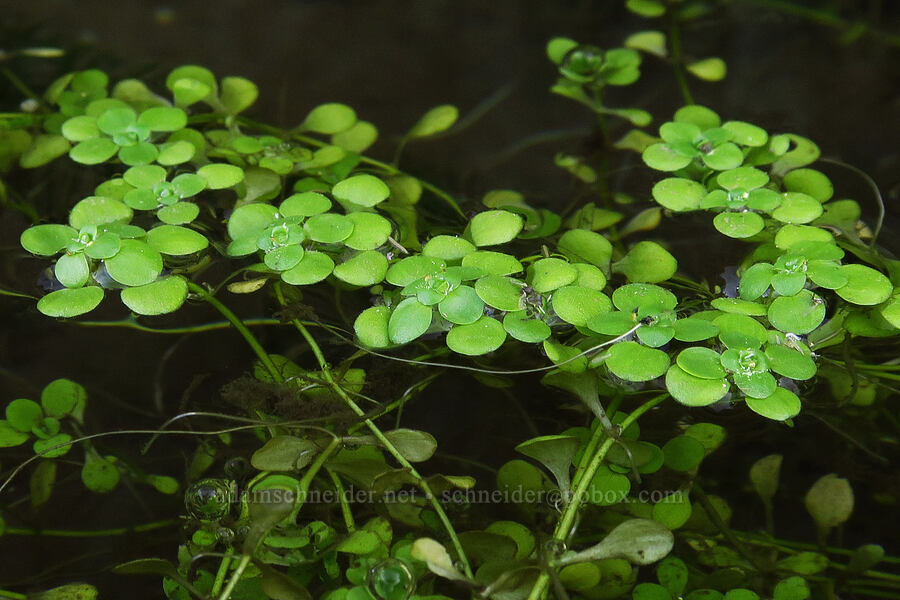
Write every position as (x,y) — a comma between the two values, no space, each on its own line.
(584,474)
(379,435)
(254,344)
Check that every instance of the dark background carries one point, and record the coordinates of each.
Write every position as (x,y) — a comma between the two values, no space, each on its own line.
(392,60)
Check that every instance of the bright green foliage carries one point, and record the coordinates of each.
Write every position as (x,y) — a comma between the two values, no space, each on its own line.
(613,315)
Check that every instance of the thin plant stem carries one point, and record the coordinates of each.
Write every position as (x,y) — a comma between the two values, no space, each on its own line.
(221,573)
(238,573)
(379,435)
(345,508)
(584,478)
(254,344)
(75,533)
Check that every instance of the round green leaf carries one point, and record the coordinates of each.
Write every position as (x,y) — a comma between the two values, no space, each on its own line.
(163,296)
(739,306)
(144,176)
(371,327)
(500,292)
(810,182)
(740,331)
(366,268)
(781,405)
(590,276)
(798,314)
(98,210)
(492,263)
(797,208)
(679,194)
(176,241)
(409,320)
(683,453)
(80,128)
(483,336)
(581,245)
(448,247)
(330,118)
(219,176)
(98,474)
(746,134)
(70,302)
(578,305)
(163,118)
(248,221)
(175,153)
(708,69)
(520,327)
(673,511)
(356,139)
(237,94)
(47,240)
(865,286)
(462,306)
(723,157)
(631,296)
(305,204)
(608,488)
(312,268)
(755,281)
(436,120)
(61,397)
(693,329)
(369,231)
(412,268)
(739,225)
(135,264)
(790,235)
(548,274)
(701,362)
(647,262)
(140,154)
(328,228)
(746,178)
(494,227)
(72,270)
(633,362)
(10,438)
(694,391)
(179,213)
(363,190)
(283,258)
(23,414)
(42,447)
(702,117)
(116,120)
(663,158)
(790,363)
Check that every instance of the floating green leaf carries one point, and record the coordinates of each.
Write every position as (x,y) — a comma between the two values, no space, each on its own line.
(781,405)
(409,320)
(633,362)
(363,190)
(694,391)
(578,305)
(647,262)
(366,268)
(330,118)
(494,227)
(483,336)
(160,297)
(438,119)
(219,176)
(865,286)
(371,327)
(70,302)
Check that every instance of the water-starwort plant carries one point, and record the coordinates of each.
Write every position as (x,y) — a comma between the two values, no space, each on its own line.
(325,498)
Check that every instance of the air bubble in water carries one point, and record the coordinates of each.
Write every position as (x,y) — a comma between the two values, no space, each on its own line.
(390,579)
